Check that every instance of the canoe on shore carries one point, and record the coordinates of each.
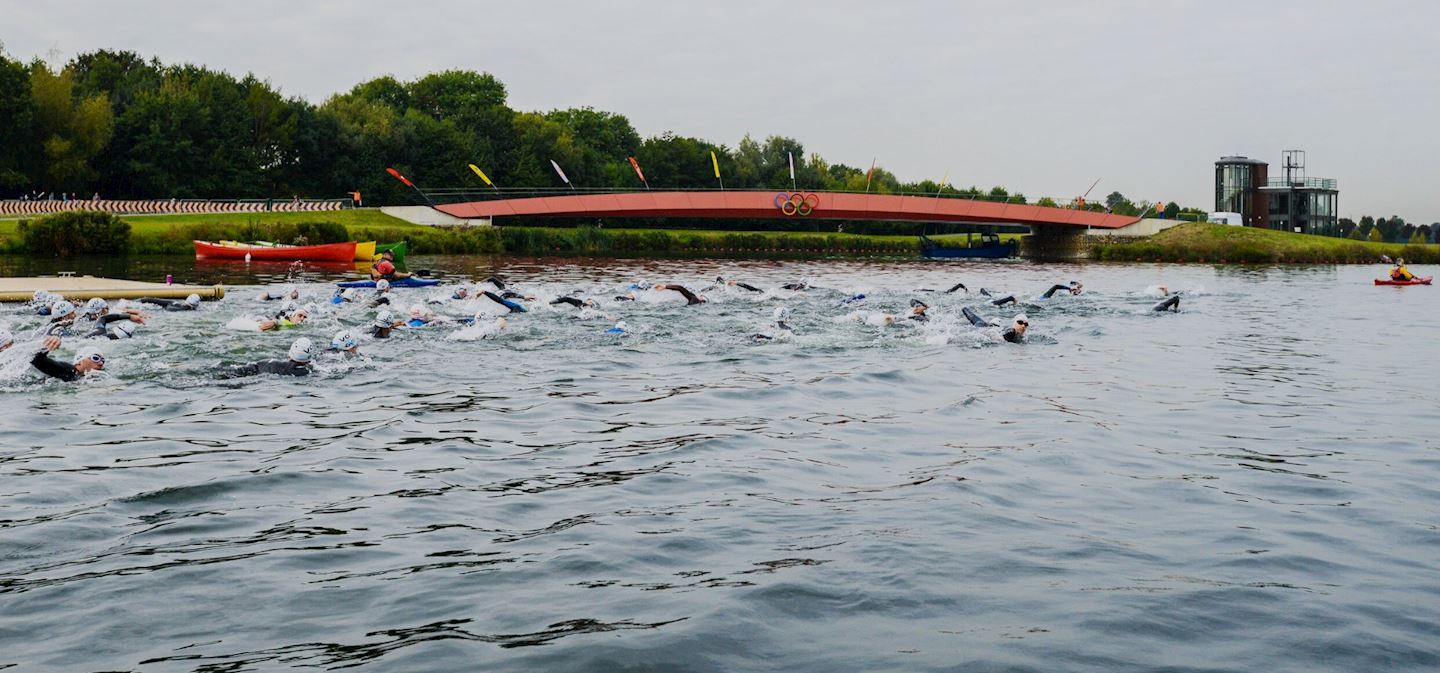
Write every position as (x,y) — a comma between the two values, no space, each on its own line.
(331,252)
(1418,281)
(365,252)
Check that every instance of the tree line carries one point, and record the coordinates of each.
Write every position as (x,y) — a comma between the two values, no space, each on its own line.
(1387,230)
(115,124)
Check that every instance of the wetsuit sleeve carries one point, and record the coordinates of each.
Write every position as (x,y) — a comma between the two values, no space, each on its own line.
(1007,299)
(1171,304)
(179,306)
(690,297)
(569,300)
(747,286)
(958,286)
(499,284)
(1056,288)
(974,318)
(1012,336)
(54,368)
(166,303)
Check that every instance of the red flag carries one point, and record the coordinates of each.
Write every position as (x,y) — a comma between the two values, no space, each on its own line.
(870,174)
(636,164)
(400,177)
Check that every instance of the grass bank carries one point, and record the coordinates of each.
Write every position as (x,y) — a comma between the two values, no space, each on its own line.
(1218,243)
(173,234)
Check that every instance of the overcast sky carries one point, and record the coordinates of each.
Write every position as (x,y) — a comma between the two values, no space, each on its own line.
(1040,96)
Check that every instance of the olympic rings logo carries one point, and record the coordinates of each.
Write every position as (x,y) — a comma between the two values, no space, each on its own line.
(797,203)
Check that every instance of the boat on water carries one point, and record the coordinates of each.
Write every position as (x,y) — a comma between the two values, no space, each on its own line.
(1414,281)
(329,252)
(365,251)
(988,247)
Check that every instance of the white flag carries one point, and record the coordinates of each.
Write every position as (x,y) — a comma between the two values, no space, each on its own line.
(560,172)
(792,166)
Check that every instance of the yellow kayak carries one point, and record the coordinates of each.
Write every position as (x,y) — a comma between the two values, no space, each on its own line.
(364,252)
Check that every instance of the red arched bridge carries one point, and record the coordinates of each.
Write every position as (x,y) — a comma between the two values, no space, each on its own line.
(784,205)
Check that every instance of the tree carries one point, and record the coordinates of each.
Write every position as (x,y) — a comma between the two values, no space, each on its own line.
(1356,234)
(17,139)
(1114,199)
(1172,210)
(1376,236)
(1047,202)
(1346,227)
(1417,238)
(71,130)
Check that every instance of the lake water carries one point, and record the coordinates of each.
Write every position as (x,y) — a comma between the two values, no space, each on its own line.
(1252,484)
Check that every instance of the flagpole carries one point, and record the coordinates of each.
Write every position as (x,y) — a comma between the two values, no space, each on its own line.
(793,188)
(870,175)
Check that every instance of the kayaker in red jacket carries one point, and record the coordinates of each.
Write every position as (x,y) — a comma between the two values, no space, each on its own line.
(385,268)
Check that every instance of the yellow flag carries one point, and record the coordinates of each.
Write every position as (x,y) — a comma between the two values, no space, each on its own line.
(715,162)
(482,175)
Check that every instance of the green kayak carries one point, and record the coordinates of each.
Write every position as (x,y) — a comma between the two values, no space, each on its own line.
(398,248)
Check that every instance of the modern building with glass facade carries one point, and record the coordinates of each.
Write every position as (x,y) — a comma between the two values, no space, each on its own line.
(1237,183)
(1291,203)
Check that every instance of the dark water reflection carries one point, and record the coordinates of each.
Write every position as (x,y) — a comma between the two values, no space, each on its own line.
(1248,485)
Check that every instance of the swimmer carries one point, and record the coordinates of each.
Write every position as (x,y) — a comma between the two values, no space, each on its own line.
(190,303)
(39,300)
(691,298)
(577,303)
(515,307)
(382,290)
(384,322)
(345,343)
(1073,288)
(117,326)
(420,317)
(853,298)
(88,362)
(957,286)
(801,285)
(1171,304)
(1014,334)
(346,296)
(619,328)
(496,281)
(286,292)
(95,308)
(62,318)
(917,310)
(1007,299)
(781,315)
(294,318)
(722,282)
(297,363)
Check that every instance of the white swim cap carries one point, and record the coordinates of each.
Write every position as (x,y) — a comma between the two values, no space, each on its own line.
(416,311)
(94,305)
(382,284)
(300,350)
(193,300)
(289,307)
(348,294)
(62,309)
(384,319)
(122,329)
(1021,318)
(39,296)
(781,312)
(344,341)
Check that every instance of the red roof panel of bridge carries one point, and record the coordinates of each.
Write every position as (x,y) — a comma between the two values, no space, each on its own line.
(761,204)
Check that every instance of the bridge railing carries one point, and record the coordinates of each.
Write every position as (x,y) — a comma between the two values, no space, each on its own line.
(463,194)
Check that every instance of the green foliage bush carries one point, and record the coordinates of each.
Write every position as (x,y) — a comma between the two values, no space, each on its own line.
(75,233)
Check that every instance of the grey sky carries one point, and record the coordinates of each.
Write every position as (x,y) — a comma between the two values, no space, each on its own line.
(1037,95)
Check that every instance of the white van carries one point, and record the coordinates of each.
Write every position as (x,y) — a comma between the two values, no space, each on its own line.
(1232,219)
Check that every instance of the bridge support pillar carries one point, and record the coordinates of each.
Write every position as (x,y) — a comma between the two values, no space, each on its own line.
(1053,243)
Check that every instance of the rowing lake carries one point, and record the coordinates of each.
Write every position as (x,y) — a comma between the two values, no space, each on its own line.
(1252,484)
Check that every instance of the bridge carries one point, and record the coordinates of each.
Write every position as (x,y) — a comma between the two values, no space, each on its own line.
(800,205)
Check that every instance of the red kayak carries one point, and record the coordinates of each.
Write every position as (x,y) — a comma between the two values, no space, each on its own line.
(1417,281)
(330,252)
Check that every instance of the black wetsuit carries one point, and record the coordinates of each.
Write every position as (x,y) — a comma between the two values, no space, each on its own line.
(569,300)
(495,280)
(54,368)
(379,332)
(1171,304)
(512,306)
(747,286)
(795,286)
(380,300)
(780,325)
(975,318)
(1012,336)
(958,286)
(167,304)
(1007,299)
(1055,288)
(690,297)
(281,367)
(103,322)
